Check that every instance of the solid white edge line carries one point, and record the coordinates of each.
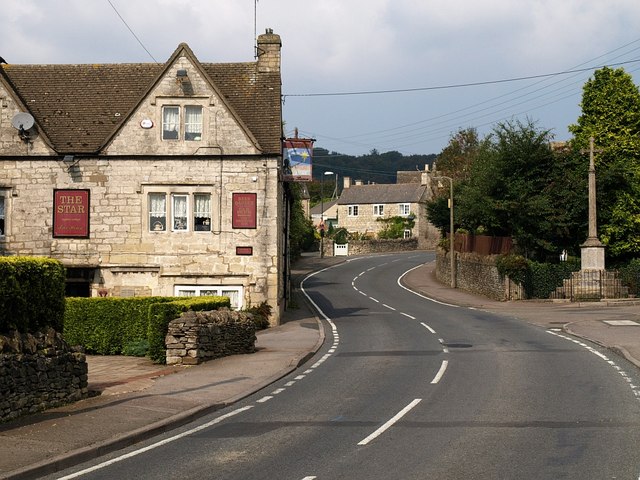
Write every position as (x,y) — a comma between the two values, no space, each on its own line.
(440,373)
(419,294)
(157,444)
(389,423)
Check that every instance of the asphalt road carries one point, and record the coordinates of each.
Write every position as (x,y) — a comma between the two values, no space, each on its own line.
(407,388)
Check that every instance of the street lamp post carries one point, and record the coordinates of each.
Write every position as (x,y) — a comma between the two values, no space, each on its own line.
(451,233)
(322,212)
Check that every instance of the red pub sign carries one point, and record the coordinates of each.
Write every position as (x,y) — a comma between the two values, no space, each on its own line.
(244,210)
(71,213)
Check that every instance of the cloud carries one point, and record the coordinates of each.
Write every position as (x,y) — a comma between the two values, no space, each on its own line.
(356,45)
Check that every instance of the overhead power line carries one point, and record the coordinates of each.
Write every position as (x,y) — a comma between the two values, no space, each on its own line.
(456,85)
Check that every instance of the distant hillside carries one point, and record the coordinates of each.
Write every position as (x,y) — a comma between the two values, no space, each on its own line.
(374,167)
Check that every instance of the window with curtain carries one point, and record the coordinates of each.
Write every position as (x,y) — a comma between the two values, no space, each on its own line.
(403,209)
(378,210)
(170,123)
(202,212)
(179,212)
(157,212)
(193,122)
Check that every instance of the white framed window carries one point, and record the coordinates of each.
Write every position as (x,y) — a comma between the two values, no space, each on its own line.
(407,233)
(404,209)
(234,292)
(180,211)
(170,122)
(182,123)
(352,210)
(157,212)
(378,210)
(202,212)
(193,122)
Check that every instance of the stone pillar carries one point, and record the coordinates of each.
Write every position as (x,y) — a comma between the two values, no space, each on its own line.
(592,250)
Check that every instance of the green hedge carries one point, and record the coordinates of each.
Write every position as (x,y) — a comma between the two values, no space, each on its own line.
(630,276)
(543,278)
(31,294)
(107,325)
(113,326)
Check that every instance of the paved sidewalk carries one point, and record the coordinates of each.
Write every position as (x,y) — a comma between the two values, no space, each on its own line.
(139,399)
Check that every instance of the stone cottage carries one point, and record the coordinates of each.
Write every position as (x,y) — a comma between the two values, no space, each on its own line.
(149,179)
(361,207)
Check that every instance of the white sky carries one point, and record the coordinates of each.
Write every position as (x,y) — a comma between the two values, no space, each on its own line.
(334,46)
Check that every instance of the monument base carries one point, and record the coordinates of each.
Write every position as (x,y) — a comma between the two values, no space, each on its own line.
(592,255)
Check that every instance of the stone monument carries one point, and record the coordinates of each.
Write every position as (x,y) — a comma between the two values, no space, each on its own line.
(592,250)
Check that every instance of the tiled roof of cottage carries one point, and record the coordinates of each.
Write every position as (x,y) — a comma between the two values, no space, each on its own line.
(382,193)
(79,107)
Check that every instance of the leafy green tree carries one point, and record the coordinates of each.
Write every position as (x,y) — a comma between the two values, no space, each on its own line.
(507,193)
(611,115)
(456,158)
(301,231)
(438,213)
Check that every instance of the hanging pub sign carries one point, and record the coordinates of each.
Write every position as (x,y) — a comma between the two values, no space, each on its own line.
(71,213)
(297,154)
(244,210)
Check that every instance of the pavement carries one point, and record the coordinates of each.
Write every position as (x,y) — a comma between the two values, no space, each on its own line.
(136,399)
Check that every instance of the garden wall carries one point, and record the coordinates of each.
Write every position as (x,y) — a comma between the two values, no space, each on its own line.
(39,371)
(364,247)
(196,337)
(477,274)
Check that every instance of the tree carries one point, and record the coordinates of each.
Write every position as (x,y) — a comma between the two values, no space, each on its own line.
(611,115)
(456,158)
(301,230)
(507,193)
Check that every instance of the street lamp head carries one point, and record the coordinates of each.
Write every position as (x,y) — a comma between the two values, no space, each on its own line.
(328,173)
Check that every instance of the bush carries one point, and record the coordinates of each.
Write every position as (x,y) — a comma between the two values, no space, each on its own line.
(516,267)
(31,294)
(105,325)
(136,348)
(128,326)
(261,314)
(630,276)
(544,278)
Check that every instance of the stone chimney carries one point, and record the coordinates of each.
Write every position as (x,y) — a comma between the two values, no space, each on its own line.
(346,182)
(268,52)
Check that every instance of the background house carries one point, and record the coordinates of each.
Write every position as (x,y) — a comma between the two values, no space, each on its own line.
(361,207)
(149,179)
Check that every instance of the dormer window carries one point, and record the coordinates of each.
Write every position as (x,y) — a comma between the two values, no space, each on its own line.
(182,123)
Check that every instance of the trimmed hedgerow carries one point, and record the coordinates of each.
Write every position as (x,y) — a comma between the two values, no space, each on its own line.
(105,325)
(115,326)
(31,294)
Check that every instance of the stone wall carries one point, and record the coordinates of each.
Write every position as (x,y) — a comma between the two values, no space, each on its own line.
(196,337)
(37,372)
(364,247)
(476,274)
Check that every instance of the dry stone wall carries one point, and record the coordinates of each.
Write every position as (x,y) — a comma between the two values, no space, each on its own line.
(477,274)
(37,372)
(196,337)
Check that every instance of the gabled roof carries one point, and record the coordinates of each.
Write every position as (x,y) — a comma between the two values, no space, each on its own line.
(79,107)
(382,193)
(317,209)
